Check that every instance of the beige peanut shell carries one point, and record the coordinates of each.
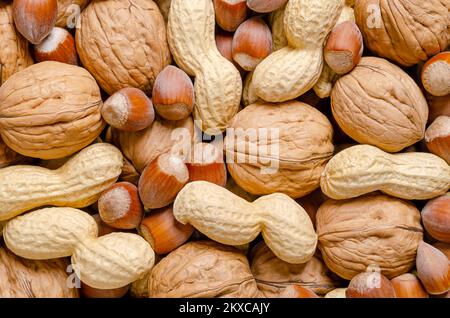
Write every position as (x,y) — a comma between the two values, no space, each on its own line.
(78,183)
(362,169)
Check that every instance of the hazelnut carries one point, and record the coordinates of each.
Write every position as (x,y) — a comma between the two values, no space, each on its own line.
(297,291)
(230,13)
(433,269)
(408,286)
(91,292)
(264,6)
(370,285)
(436,218)
(437,137)
(58,46)
(436,74)
(207,164)
(443,247)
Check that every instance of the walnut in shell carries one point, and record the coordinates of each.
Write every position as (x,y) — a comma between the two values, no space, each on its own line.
(379,104)
(278,148)
(405,31)
(372,231)
(22,278)
(202,269)
(69,12)
(50,110)
(122,43)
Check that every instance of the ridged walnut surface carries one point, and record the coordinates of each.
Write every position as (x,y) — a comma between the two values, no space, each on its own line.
(78,183)
(218,84)
(304,143)
(294,69)
(67,12)
(14,54)
(375,230)
(113,260)
(379,104)
(22,278)
(362,169)
(123,43)
(405,31)
(50,110)
(203,269)
(49,233)
(229,219)
(273,275)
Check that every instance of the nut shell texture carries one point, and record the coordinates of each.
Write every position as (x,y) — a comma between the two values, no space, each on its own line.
(122,43)
(113,260)
(50,110)
(67,12)
(379,104)
(375,230)
(49,233)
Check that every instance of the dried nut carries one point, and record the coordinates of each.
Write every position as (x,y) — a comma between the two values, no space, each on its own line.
(436,218)
(207,164)
(364,98)
(119,206)
(362,232)
(252,42)
(113,261)
(58,46)
(129,173)
(437,137)
(370,285)
(337,293)
(161,180)
(224,43)
(344,47)
(9,157)
(273,275)
(50,110)
(433,269)
(123,47)
(408,286)
(405,31)
(260,153)
(228,219)
(69,11)
(230,13)
(103,228)
(15,55)
(412,175)
(144,146)
(443,247)
(297,291)
(295,69)
(78,183)
(218,84)
(139,288)
(248,93)
(276,19)
(22,278)
(90,292)
(173,94)
(35,19)
(129,110)
(264,6)
(311,203)
(49,233)
(325,83)
(163,232)
(439,106)
(202,269)
(436,74)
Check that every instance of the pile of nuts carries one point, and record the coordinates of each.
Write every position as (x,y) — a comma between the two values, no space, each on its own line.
(225,148)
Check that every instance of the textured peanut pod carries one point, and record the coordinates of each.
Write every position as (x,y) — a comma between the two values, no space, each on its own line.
(68,12)
(78,183)
(49,233)
(122,43)
(113,260)
(248,93)
(229,219)
(218,84)
(293,70)
(50,110)
(14,55)
(276,19)
(362,169)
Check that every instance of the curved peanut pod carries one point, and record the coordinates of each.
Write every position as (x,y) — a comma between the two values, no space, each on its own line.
(218,84)
(276,19)
(77,184)
(229,219)
(113,260)
(49,233)
(362,169)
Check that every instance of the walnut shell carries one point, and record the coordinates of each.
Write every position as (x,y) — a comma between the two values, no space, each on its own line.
(14,55)
(68,12)
(122,43)
(371,230)
(203,269)
(142,147)
(9,157)
(379,104)
(22,278)
(50,110)
(303,136)
(273,275)
(405,31)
